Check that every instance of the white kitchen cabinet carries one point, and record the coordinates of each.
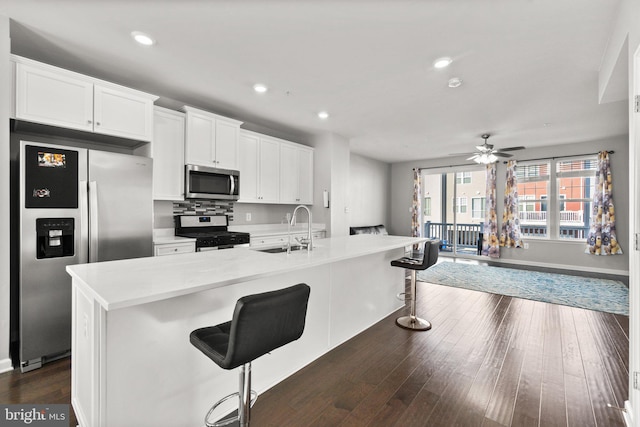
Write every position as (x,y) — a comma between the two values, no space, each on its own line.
(162,249)
(211,140)
(296,174)
(167,151)
(57,97)
(259,168)
(122,112)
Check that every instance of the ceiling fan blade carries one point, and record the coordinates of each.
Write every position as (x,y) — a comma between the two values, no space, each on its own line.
(484,147)
(475,156)
(499,154)
(462,154)
(511,148)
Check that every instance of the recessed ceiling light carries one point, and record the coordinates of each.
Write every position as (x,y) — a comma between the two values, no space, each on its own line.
(442,62)
(323,115)
(142,38)
(455,82)
(260,88)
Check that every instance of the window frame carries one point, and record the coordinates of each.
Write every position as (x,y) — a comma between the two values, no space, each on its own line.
(563,200)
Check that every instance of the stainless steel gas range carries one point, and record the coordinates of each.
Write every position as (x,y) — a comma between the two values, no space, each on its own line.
(210,231)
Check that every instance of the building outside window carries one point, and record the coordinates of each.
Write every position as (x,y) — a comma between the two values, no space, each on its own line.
(463,178)
(477,207)
(426,206)
(461,205)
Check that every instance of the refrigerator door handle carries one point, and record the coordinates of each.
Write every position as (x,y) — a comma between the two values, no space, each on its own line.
(84,221)
(233,185)
(93,221)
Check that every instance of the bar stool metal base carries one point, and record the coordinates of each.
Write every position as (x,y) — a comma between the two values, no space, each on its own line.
(413,323)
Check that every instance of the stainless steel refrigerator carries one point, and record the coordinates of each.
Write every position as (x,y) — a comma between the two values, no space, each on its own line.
(76,206)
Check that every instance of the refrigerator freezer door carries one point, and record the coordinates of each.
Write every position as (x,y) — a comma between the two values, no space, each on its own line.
(51,237)
(120,206)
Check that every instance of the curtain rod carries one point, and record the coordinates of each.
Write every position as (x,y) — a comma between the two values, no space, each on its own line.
(505,162)
(562,157)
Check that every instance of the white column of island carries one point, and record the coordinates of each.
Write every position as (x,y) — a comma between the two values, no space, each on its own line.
(132,362)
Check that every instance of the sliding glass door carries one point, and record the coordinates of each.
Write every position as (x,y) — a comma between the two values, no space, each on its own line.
(453,208)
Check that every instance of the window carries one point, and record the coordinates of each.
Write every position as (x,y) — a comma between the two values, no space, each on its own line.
(575,182)
(463,178)
(533,188)
(461,205)
(427,206)
(477,207)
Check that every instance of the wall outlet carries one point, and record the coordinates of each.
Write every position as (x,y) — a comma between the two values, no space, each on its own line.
(526,245)
(248,216)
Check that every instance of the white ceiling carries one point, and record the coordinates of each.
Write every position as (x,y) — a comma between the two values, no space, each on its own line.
(524,64)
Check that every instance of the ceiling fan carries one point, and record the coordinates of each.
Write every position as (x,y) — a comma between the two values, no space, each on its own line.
(486,154)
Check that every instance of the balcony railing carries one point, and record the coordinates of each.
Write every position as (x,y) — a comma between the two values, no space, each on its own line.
(566,217)
(468,238)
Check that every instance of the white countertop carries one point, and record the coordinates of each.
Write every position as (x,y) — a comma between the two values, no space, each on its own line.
(126,283)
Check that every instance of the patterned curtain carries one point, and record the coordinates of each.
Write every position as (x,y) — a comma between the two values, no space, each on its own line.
(490,244)
(416,227)
(510,236)
(602,232)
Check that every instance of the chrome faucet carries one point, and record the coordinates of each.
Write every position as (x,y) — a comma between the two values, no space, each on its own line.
(308,242)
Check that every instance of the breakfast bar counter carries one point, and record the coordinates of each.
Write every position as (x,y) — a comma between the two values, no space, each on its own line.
(132,363)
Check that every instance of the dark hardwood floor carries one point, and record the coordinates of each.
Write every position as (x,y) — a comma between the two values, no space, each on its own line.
(489,360)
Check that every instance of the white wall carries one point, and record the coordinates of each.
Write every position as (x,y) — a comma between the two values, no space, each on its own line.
(369,191)
(5,114)
(541,252)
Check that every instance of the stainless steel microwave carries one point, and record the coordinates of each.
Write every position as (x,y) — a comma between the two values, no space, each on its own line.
(203,182)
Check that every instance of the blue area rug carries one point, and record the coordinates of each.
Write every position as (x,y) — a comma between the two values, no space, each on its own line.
(610,296)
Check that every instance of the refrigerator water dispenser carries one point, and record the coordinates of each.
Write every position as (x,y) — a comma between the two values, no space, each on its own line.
(54,237)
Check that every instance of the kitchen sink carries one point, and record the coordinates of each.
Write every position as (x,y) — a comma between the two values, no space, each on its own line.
(279,250)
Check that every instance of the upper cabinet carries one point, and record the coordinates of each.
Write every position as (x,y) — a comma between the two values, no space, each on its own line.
(273,170)
(211,140)
(259,168)
(57,97)
(167,150)
(296,174)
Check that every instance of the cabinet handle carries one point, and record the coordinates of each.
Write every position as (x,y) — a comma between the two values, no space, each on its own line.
(89,122)
(97,123)
(175,249)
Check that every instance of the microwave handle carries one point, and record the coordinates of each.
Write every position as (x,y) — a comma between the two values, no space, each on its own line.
(233,185)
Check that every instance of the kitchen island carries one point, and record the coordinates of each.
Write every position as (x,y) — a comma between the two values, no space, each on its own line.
(132,363)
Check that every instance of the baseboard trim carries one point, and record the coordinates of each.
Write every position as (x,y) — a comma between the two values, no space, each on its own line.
(5,365)
(572,268)
(563,267)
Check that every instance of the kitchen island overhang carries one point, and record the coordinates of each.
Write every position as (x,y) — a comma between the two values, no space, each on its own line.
(132,363)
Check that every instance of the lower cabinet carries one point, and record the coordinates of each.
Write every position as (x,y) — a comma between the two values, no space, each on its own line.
(161,249)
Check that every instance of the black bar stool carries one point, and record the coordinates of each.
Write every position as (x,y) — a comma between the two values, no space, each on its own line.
(429,258)
(260,324)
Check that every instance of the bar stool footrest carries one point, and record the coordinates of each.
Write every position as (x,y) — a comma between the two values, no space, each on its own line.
(413,323)
(403,296)
(229,419)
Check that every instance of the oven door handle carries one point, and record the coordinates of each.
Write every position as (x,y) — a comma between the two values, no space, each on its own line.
(233,185)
